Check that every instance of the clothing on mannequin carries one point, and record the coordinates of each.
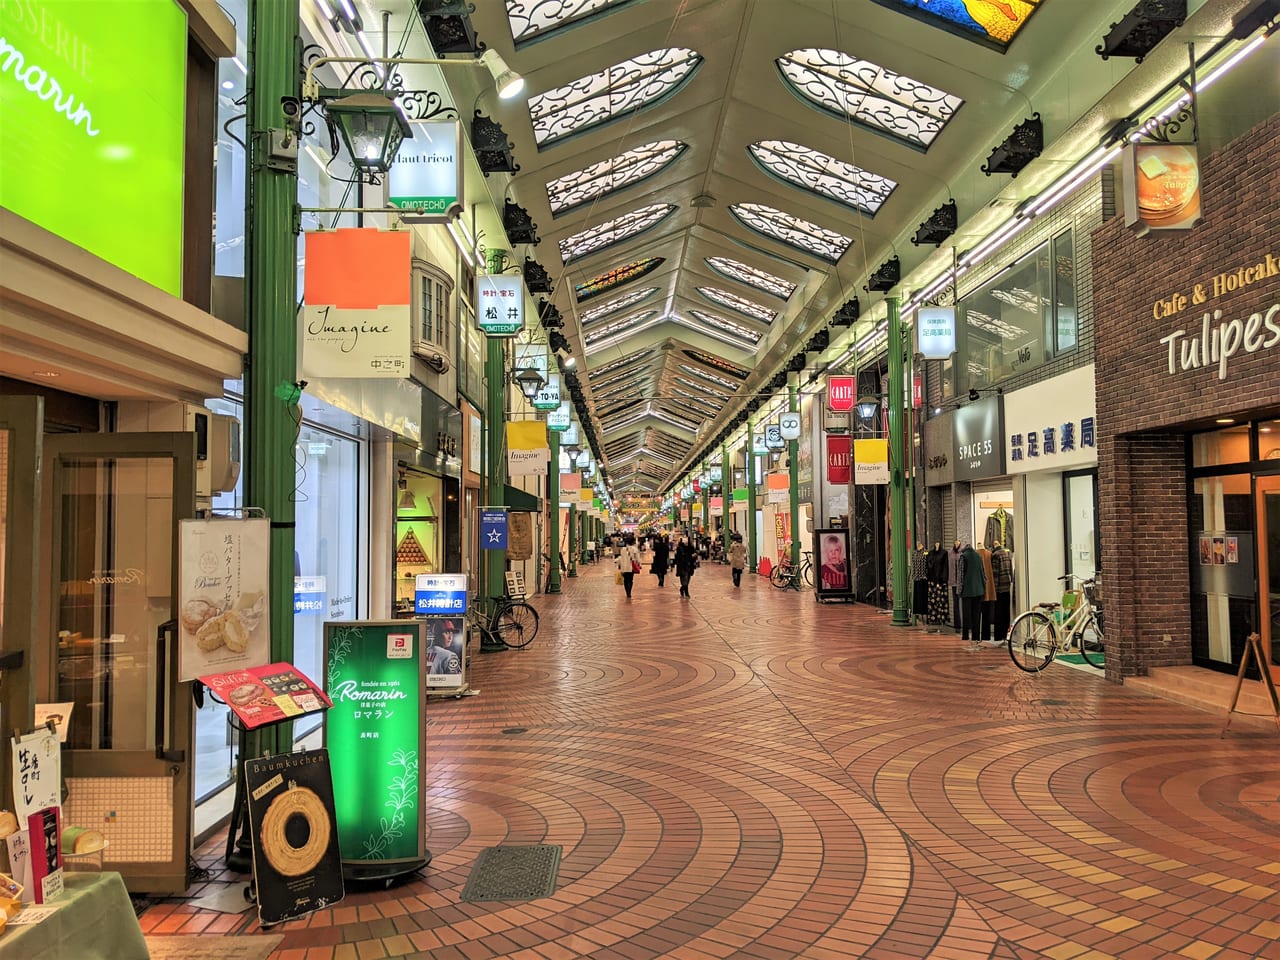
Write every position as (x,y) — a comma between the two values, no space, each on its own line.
(937,573)
(920,581)
(953,578)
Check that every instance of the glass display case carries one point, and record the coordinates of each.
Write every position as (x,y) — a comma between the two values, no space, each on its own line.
(418,535)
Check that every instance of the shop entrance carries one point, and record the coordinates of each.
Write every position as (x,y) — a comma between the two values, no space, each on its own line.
(1267,498)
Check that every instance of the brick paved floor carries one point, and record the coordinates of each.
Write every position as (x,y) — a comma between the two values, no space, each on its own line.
(750,774)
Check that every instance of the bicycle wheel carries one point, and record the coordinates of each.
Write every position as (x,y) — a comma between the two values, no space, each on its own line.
(808,574)
(780,577)
(1092,643)
(516,623)
(1032,642)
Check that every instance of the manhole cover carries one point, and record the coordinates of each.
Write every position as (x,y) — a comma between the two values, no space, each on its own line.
(514,873)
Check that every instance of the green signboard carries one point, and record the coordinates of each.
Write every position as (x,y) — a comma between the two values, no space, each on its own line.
(373,733)
(92,106)
(427,175)
(499,304)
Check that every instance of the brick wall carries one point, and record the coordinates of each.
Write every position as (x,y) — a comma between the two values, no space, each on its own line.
(1144,410)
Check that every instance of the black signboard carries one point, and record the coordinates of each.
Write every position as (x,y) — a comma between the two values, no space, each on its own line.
(297,866)
(979,439)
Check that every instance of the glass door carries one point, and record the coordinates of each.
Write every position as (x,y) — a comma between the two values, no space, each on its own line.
(1268,501)
(113,506)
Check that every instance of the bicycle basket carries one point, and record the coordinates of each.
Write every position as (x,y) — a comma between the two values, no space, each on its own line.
(1094,593)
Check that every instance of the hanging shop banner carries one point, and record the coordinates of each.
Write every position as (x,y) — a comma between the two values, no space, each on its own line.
(427,175)
(269,694)
(779,487)
(493,528)
(835,421)
(870,462)
(308,596)
(773,439)
(838,455)
(979,439)
(355,319)
(560,418)
(789,426)
(500,304)
(527,451)
(1161,184)
(548,398)
(585,496)
(840,394)
(716,505)
(758,446)
(437,594)
(569,438)
(831,548)
(374,735)
(936,332)
(297,867)
(740,495)
(570,482)
(223,584)
(519,535)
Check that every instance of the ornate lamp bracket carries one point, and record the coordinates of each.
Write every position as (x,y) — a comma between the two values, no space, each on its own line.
(1166,127)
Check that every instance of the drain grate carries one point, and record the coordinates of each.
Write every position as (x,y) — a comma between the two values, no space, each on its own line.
(1046,702)
(514,873)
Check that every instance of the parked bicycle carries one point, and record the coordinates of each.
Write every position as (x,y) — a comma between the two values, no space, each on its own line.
(511,622)
(789,576)
(1035,638)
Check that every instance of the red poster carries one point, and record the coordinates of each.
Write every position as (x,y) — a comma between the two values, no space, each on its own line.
(263,695)
(838,450)
(840,393)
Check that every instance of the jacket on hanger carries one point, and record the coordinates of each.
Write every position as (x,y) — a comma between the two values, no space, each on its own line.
(999,530)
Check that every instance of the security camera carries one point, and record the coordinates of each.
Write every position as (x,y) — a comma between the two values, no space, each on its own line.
(291,107)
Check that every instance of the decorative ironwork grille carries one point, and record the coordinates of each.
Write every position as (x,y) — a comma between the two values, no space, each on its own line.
(741,305)
(725,325)
(614,231)
(793,231)
(616,304)
(576,189)
(530,19)
(614,327)
(744,273)
(823,174)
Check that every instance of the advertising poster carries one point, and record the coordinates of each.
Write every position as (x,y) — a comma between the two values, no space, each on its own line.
(296,861)
(519,535)
(37,772)
(374,738)
(269,694)
(1161,186)
(870,462)
(444,653)
(831,548)
(222,595)
(44,827)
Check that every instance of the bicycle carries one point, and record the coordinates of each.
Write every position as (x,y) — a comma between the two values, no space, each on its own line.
(788,576)
(1035,639)
(512,622)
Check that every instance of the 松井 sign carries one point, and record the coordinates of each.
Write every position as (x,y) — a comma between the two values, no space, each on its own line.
(499,304)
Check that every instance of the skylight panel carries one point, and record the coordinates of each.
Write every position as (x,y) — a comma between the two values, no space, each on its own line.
(734,302)
(614,231)
(612,93)
(793,231)
(616,304)
(613,328)
(590,183)
(616,277)
(705,388)
(531,19)
(709,377)
(744,273)
(823,174)
(867,94)
(727,326)
(620,362)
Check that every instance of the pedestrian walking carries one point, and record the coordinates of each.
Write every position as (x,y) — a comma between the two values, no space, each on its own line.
(686,563)
(661,559)
(973,588)
(737,560)
(628,565)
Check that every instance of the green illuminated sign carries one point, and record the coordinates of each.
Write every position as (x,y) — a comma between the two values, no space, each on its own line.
(374,737)
(92,106)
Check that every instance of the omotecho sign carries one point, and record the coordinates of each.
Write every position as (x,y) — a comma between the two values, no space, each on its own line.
(427,177)
(93,100)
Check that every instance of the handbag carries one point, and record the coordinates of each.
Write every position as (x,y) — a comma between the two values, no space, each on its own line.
(635,566)
(617,577)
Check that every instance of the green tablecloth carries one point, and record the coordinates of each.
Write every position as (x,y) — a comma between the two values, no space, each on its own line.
(96,922)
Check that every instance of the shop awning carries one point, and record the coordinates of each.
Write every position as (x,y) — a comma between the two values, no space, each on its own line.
(517,499)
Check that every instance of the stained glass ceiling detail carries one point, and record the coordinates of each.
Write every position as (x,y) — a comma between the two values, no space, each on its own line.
(718,362)
(993,24)
(614,231)
(823,174)
(616,277)
(616,304)
(590,183)
(793,231)
(733,302)
(867,94)
(612,93)
(744,273)
(531,19)
(727,326)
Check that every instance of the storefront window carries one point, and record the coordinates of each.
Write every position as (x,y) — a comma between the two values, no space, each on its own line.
(1220,447)
(1223,584)
(1079,504)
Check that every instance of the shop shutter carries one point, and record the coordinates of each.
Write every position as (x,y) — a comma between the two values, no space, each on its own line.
(948,517)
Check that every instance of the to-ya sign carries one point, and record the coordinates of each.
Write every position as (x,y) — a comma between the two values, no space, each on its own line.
(548,398)
(1217,338)
(427,177)
(499,304)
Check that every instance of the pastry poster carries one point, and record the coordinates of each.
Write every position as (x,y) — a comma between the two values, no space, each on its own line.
(222,595)
(296,861)
(1162,186)
(270,694)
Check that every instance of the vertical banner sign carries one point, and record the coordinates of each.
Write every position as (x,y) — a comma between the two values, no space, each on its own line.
(222,596)
(548,398)
(838,451)
(355,322)
(1161,186)
(773,439)
(297,871)
(870,462)
(758,446)
(493,529)
(374,737)
(840,393)
(499,304)
(936,332)
(519,535)
(560,418)
(789,426)
(427,175)
(527,450)
(779,487)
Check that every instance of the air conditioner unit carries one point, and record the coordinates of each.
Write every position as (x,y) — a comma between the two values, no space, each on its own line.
(224,453)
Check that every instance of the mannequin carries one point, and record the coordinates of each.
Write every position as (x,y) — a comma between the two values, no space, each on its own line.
(937,573)
(954,578)
(920,582)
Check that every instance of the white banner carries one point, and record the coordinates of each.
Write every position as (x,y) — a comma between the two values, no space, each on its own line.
(223,584)
(527,463)
(427,175)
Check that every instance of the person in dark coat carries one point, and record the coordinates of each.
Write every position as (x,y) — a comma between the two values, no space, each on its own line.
(661,559)
(973,590)
(686,563)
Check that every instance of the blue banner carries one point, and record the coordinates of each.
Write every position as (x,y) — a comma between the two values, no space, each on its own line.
(308,596)
(493,529)
(440,594)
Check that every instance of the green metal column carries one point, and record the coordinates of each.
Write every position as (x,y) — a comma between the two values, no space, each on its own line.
(897,476)
(753,548)
(271,305)
(706,501)
(553,510)
(726,496)
(495,416)
(793,471)
(573,539)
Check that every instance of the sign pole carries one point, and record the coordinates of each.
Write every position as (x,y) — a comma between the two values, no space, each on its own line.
(495,562)
(793,470)
(897,476)
(553,505)
(753,555)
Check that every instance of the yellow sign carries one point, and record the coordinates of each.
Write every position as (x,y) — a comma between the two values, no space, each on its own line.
(870,461)
(526,435)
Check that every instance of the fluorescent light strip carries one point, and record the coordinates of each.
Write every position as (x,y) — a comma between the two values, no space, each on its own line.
(462,247)
(367,47)
(348,9)
(326,11)
(239,63)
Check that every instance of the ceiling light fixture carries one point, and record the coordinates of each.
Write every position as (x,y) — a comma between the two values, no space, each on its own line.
(508,83)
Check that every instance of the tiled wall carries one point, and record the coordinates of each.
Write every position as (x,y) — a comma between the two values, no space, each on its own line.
(135,814)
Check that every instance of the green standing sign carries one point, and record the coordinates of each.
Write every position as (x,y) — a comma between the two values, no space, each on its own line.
(374,734)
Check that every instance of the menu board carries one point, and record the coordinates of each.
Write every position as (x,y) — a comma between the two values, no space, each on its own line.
(264,695)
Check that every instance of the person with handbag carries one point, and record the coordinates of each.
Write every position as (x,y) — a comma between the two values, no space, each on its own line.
(628,564)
